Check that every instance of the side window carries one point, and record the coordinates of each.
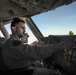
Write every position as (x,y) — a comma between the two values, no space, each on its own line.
(31,38)
(2,39)
(1,35)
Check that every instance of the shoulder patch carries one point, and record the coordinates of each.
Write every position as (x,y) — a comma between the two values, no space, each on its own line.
(16,42)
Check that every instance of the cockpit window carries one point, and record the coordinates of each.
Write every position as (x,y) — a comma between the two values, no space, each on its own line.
(60,21)
(1,35)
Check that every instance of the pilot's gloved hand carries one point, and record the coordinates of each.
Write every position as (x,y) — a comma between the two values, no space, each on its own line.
(65,45)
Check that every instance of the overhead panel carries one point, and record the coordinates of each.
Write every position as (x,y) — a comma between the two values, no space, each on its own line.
(27,8)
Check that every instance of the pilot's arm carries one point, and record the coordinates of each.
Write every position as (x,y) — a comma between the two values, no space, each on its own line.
(33,52)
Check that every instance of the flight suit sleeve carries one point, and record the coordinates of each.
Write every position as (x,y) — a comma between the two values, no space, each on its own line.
(40,52)
(31,52)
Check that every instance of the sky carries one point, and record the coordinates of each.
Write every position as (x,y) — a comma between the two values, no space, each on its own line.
(59,21)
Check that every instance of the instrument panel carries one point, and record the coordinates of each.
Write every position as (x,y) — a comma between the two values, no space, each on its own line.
(66,59)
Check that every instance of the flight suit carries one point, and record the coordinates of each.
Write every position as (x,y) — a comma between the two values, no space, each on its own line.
(18,55)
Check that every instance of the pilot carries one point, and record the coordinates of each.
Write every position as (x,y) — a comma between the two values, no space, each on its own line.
(17,55)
